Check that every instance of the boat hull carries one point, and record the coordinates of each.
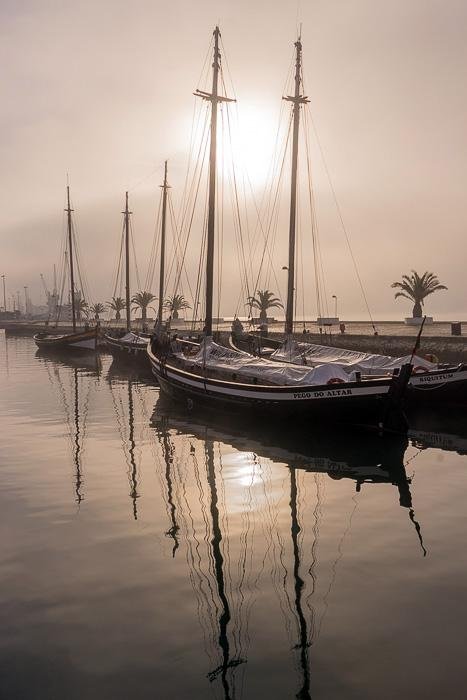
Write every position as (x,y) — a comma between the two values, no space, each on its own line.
(84,341)
(444,386)
(127,351)
(369,403)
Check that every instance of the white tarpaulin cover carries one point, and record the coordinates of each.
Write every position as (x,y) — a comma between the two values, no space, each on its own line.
(134,338)
(347,360)
(246,367)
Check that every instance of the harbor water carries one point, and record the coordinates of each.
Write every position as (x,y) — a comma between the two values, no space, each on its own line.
(149,553)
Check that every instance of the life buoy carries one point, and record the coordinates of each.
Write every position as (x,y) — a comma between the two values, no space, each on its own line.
(419,369)
(336,380)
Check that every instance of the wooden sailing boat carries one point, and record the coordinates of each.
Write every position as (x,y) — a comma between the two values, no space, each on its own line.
(130,346)
(78,340)
(431,382)
(222,379)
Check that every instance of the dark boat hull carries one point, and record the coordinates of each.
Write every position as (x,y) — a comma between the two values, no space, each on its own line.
(443,386)
(369,404)
(83,341)
(127,351)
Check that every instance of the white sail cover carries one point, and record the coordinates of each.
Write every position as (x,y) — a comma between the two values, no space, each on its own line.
(349,361)
(135,339)
(242,366)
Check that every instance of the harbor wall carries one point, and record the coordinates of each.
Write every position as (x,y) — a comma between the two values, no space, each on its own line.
(446,348)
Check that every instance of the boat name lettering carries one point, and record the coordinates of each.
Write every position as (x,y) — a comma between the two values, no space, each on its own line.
(435,378)
(322,394)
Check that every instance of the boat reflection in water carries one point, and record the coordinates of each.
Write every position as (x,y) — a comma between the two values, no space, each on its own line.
(125,416)
(73,388)
(225,602)
(126,389)
(445,431)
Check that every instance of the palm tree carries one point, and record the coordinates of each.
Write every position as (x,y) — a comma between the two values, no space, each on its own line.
(81,307)
(263,301)
(117,304)
(176,303)
(141,300)
(97,309)
(416,288)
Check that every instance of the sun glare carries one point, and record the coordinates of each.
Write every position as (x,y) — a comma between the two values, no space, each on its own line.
(252,143)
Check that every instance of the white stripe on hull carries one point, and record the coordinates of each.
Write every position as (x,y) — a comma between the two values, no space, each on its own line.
(282,396)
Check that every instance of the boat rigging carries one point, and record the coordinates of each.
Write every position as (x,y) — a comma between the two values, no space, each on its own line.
(222,379)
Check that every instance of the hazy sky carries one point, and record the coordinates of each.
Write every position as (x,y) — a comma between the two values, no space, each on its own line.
(103,91)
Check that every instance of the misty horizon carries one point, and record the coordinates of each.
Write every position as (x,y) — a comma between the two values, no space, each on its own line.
(387,101)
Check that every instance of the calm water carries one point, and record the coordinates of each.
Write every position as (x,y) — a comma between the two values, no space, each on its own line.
(148,556)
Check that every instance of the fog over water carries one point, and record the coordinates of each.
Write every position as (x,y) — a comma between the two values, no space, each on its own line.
(104,92)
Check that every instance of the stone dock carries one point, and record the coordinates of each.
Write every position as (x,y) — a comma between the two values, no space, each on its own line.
(445,348)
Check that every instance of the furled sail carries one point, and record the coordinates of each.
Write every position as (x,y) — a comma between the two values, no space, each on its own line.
(244,367)
(310,355)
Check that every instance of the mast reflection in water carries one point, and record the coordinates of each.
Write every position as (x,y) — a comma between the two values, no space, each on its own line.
(74,402)
(213,557)
(378,462)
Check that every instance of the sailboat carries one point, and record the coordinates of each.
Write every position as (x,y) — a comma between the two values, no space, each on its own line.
(78,340)
(222,379)
(430,382)
(129,346)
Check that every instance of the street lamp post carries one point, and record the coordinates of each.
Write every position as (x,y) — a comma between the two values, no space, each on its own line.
(25,300)
(335,305)
(4,294)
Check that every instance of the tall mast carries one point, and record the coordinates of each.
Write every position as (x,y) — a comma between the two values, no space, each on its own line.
(214,98)
(297,100)
(127,262)
(70,245)
(165,187)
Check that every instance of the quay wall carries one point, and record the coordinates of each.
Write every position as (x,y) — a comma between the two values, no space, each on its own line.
(446,348)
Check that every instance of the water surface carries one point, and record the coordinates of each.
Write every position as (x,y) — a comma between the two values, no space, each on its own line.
(147,554)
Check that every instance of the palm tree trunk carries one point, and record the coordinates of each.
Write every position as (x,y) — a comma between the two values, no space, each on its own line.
(417,310)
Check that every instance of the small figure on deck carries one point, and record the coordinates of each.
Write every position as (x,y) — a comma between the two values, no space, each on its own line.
(176,345)
(342,327)
(237,327)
